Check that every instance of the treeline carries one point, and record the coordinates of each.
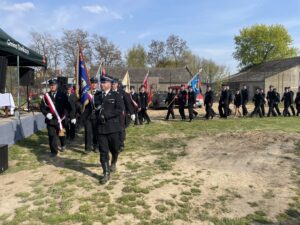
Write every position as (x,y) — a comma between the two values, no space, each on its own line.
(173,52)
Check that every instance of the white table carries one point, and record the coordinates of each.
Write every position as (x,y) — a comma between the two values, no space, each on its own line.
(6,100)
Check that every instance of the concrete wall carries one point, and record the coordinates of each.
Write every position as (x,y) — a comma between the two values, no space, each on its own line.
(288,78)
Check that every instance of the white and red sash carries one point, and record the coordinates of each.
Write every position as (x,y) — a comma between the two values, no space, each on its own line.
(54,111)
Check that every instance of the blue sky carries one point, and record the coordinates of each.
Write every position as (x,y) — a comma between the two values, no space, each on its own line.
(208,26)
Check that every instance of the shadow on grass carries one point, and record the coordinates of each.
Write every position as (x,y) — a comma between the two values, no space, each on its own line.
(38,145)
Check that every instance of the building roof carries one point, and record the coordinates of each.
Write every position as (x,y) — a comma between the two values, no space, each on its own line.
(137,75)
(262,71)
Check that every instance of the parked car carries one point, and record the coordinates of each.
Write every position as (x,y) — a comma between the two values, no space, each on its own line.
(158,100)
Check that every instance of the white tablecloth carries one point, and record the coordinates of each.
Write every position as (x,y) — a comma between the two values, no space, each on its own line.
(7,100)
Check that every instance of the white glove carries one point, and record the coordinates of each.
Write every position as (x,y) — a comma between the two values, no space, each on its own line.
(132,117)
(49,116)
(73,121)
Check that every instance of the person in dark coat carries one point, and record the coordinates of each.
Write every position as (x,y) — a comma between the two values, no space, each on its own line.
(170,101)
(56,122)
(109,107)
(128,112)
(208,103)
(297,101)
(223,102)
(277,101)
(263,112)
(238,99)
(182,97)
(191,103)
(245,99)
(258,101)
(136,103)
(71,127)
(143,115)
(287,100)
(292,98)
(271,99)
(230,100)
(89,120)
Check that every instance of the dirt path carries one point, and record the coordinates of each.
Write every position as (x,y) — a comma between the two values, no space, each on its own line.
(227,175)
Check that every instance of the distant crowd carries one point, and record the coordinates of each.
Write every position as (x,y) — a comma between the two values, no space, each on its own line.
(239,99)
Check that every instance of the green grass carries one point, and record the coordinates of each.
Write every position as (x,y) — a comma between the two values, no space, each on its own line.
(78,198)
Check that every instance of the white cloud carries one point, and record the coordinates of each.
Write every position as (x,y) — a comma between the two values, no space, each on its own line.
(17,7)
(98,9)
(95,9)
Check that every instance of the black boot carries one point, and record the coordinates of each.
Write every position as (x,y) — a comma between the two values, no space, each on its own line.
(106,175)
(114,162)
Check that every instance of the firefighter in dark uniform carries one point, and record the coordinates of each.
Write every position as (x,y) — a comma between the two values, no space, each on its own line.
(128,113)
(230,100)
(136,103)
(297,101)
(181,96)
(258,101)
(143,115)
(271,98)
(208,103)
(108,110)
(170,101)
(263,112)
(71,127)
(245,99)
(61,106)
(89,120)
(292,103)
(191,104)
(277,101)
(287,101)
(237,103)
(223,102)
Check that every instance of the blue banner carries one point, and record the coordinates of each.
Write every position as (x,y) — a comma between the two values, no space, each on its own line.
(84,83)
(194,82)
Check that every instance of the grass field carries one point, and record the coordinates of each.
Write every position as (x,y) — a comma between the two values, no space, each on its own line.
(222,172)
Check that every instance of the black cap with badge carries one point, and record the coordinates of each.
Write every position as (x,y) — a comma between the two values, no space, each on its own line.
(52,81)
(94,80)
(106,78)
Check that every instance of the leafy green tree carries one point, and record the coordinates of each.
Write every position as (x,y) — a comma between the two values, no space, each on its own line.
(261,43)
(136,56)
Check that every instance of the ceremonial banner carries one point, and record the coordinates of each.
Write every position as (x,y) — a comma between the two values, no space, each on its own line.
(83,81)
(126,82)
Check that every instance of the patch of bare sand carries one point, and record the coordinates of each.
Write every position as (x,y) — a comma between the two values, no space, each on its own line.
(12,184)
(235,170)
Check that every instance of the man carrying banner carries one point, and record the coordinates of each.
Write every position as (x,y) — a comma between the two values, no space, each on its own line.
(54,107)
(182,97)
(90,136)
(191,103)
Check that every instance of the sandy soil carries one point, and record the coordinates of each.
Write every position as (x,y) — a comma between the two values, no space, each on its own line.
(232,171)
(242,168)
